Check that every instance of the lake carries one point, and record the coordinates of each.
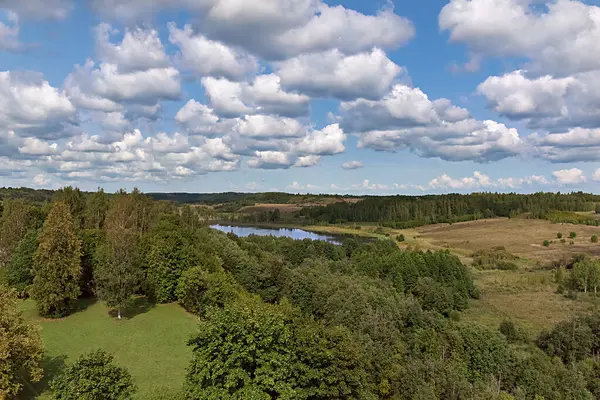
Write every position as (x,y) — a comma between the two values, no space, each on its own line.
(298,234)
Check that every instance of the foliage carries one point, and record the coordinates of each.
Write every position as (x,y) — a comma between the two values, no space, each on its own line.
(400,238)
(572,340)
(594,239)
(56,264)
(91,239)
(199,289)
(572,235)
(17,218)
(96,210)
(559,235)
(75,200)
(546,243)
(19,272)
(117,274)
(496,258)
(584,276)
(268,353)
(21,347)
(93,377)
(512,332)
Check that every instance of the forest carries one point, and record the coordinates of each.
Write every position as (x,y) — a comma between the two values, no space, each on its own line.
(280,318)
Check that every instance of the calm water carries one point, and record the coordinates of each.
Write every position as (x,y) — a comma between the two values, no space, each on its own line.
(278,232)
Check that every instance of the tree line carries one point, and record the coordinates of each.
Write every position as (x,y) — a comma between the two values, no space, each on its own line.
(279,318)
(410,211)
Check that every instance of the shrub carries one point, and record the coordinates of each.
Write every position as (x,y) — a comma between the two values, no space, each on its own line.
(546,243)
(559,235)
(379,230)
(594,239)
(400,238)
(573,235)
(512,332)
(93,377)
(563,240)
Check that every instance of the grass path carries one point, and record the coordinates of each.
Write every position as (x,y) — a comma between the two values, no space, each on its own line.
(150,343)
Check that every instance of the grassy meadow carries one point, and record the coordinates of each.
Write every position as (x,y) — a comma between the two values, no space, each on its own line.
(150,341)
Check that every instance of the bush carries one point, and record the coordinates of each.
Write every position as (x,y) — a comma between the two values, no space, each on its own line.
(573,235)
(559,235)
(379,230)
(563,240)
(546,243)
(93,377)
(594,239)
(400,238)
(513,333)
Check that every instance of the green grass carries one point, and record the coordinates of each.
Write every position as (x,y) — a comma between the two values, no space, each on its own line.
(150,342)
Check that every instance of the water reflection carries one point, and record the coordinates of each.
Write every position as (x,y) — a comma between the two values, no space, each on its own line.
(298,234)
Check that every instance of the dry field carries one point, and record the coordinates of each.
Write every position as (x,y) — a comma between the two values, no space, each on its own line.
(283,208)
(522,237)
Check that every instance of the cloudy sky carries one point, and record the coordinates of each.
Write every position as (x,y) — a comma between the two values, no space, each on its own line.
(354,96)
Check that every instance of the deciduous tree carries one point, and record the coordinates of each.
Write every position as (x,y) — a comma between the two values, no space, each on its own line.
(21,347)
(94,376)
(19,272)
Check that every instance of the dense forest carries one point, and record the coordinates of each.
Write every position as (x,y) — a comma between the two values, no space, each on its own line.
(279,318)
(410,211)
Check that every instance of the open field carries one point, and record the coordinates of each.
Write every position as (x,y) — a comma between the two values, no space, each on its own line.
(150,342)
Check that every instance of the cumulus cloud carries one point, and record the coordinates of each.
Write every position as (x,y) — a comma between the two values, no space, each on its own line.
(277,29)
(407,119)
(332,74)
(30,106)
(205,57)
(261,96)
(571,176)
(307,161)
(139,50)
(478,181)
(576,144)
(271,160)
(367,185)
(596,176)
(352,165)
(561,38)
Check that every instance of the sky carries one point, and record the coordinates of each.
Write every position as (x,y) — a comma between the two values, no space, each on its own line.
(356,96)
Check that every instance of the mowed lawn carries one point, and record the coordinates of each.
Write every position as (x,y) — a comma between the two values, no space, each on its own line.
(150,343)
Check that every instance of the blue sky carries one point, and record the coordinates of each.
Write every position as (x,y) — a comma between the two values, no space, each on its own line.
(301,95)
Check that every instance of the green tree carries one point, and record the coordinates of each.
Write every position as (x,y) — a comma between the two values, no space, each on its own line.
(117,274)
(261,351)
(21,347)
(594,239)
(75,200)
(56,264)
(93,376)
(597,208)
(19,272)
(96,209)
(546,243)
(15,221)
(573,235)
(199,289)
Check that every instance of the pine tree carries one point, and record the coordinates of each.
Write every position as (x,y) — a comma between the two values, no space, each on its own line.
(56,264)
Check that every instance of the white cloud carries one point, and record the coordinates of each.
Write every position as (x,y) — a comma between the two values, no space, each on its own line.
(352,165)
(139,50)
(596,176)
(328,141)
(262,96)
(271,160)
(366,184)
(571,176)
(205,57)
(107,83)
(478,181)
(560,39)
(35,146)
(298,187)
(41,180)
(332,74)
(307,161)
(576,144)
(277,29)
(30,106)
(407,119)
